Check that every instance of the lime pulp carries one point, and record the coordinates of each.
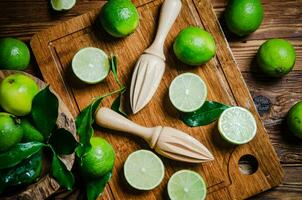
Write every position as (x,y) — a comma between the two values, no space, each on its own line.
(60,5)
(91,65)
(186,185)
(187,92)
(237,125)
(144,170)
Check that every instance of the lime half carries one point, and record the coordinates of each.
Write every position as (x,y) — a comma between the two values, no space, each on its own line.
(188,92)
(144,170)
(237,125)
(59,5)
(186,185)
(91,65)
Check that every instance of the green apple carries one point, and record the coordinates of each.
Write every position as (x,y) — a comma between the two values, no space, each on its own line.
(10,131)
(16,94)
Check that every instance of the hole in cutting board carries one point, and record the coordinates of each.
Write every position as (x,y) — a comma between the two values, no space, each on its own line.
(248,164)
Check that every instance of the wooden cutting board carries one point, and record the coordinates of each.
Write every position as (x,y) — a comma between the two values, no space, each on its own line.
(227,177)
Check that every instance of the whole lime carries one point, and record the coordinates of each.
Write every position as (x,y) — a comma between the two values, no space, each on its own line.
(16,94)
(10,131)
(14,54)
(119,17)
(243,17)
(30,133)
(99,160)
(294,119)
(276,57)
(194,46)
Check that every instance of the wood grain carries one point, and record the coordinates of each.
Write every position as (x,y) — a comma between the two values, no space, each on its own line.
(223,177)
(47,185)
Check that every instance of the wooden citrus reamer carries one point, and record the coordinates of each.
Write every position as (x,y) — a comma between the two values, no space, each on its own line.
(150,67)
(167,141)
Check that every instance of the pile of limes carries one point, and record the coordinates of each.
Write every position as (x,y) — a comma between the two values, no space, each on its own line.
(16,94)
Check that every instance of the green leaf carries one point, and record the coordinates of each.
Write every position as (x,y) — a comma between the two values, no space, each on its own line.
(117,105)
(45,111)
(113,64)
(209,112)
(24,173)
(85,119)
(59,171)
(18,153)
(63,142)
(96,187)
(84,123)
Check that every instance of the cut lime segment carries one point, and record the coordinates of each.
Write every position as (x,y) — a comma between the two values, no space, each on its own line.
(144,170)
(60,5)
(186,185)
(237,125)
(91,65)
(188,92)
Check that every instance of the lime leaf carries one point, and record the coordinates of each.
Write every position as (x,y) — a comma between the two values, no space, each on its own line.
(84,123)
(63,142)
(113,65)
(96,187)
(59,171)
(18,153)
(85,119)
(45,111)
(24,173)
(209,112)
(117,105)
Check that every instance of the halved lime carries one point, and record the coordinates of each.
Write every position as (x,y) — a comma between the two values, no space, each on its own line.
(188,92)
(60,5)
(186,185)
(91,65)
(237,125)
(144,170)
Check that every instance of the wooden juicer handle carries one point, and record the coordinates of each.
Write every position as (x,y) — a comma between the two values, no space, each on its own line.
(107,118)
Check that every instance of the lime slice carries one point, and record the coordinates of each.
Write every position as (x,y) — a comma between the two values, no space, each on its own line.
(144,170)
(188,92)
(186,185)
(91,65)
(60,5)
(237,125)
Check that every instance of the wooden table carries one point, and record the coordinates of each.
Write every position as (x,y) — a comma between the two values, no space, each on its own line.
(274,97)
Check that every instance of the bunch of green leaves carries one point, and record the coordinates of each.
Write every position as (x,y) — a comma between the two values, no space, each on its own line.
(208,113)
(60,141)
(84,122)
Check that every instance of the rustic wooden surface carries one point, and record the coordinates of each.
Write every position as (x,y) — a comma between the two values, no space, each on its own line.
(282,19)
(53,52)
(46,186)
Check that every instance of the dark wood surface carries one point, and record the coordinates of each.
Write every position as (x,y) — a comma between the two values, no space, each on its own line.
(282,19)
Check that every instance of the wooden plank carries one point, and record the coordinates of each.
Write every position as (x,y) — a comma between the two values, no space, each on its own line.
(245,53)
(278,23)
(282,93)
(281,19)
(278,96)
(222,175)
(290,189)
